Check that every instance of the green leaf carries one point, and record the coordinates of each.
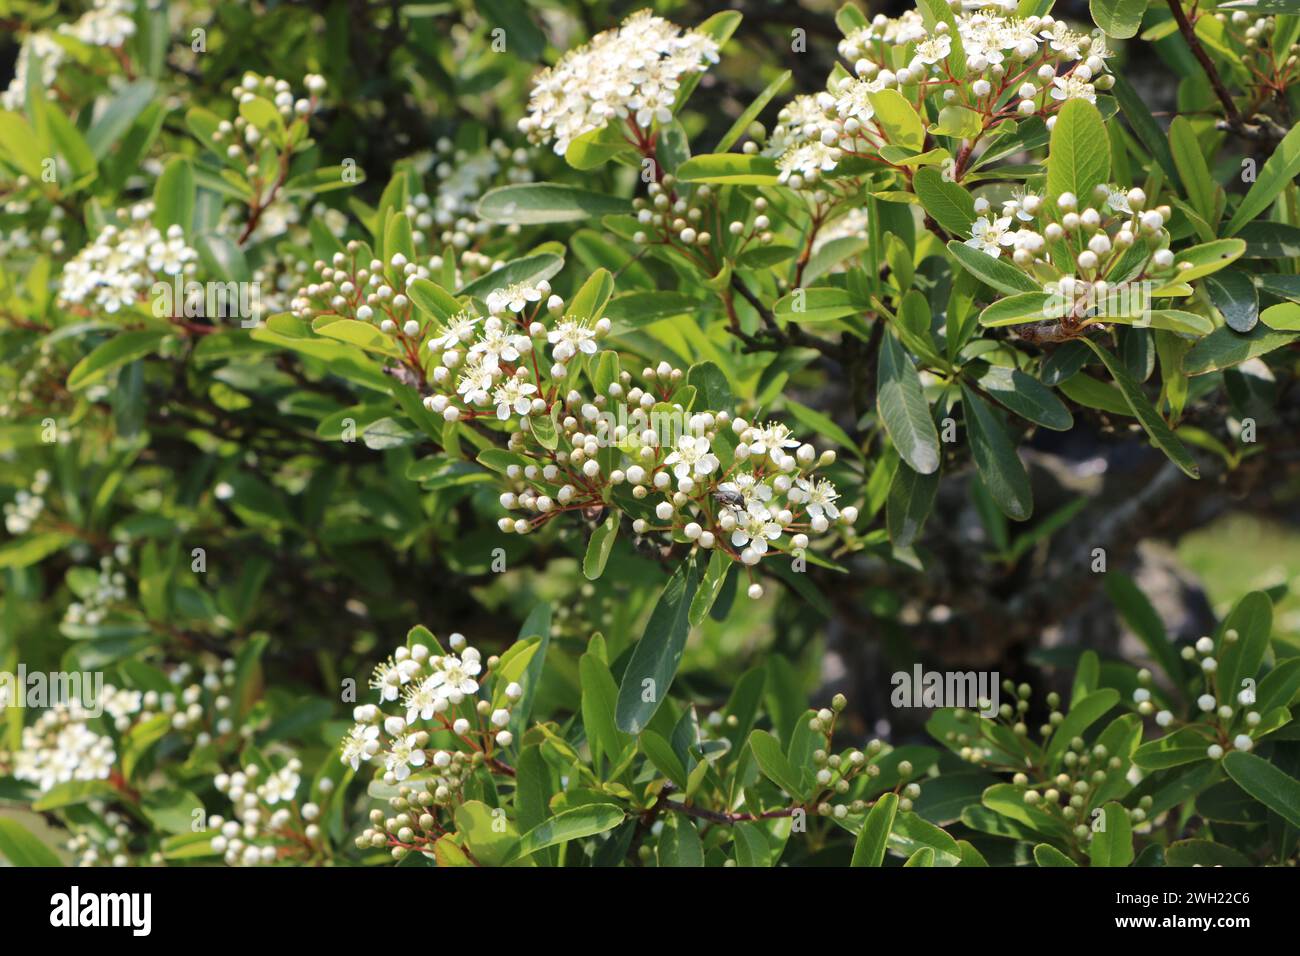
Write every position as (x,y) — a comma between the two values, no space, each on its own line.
(21,848)
(679,843)
(583,821)
(28,550)
(1282,168)
(774,764)
(431,298)
(534,203)
(599,698)
(996,460)
(869,850)
(1112,843)
(948,204)
(1144,125)
(590,300)
(1077,159)
(20,145)
(656,656)
(173,195)
(1233,294)
(529,269)
(1118,18)
(733,169)
(1203,853)
(1156,428)
(715,576)
(899,120)
(997,273)
(911,497)
(1026,396)
(1224,348)
(903,408)
(1202,260)
(599,547)
(113,354)
(1047,855)
(113,121)
(661,754)
(1018,309)
(1283,317)
(1267,784)
(1186,148)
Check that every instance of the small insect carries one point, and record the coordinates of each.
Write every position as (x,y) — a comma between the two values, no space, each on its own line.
(730,499)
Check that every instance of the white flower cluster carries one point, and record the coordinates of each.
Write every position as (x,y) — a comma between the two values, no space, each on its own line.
(60,746)
(28,504)
(108,23)
(269,824)
(117,269)
(721,482)
(632,72)
(66,742)
(443,731)
(1011,66)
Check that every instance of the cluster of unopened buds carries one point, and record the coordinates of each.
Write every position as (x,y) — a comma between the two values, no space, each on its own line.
(106,845)
(443,731)
(1003,67)
(841,776)
(1068,794)
(28,504)
(1253,38)
(1081,249)
(1221,711)
(107,590)
(268,823)
(685,221)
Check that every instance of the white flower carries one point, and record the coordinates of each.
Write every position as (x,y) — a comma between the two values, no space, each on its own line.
(514,297)
(421,700)
(819,497)
(1070,87)
(755,527)
(388,677)
(361,743)
(513,395)
(498,344)
(772,439)
(931,51)
(989,235)
(403,755)
(1064,40)
(476,381)
(692,457)
(571,337)
(454,677)
(808,160)
(459,328)
(748,487)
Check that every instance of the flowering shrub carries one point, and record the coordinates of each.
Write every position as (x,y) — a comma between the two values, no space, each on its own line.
(484,316)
